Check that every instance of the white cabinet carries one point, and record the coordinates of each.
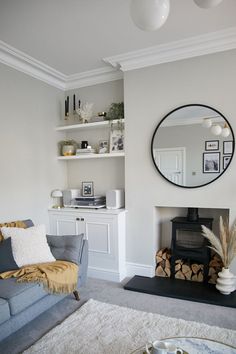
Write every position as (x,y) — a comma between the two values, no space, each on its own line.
(105,231)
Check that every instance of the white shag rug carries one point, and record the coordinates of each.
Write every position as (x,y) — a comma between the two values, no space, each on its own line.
(101,328)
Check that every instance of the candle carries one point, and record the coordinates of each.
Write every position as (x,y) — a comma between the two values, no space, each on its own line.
(74,103)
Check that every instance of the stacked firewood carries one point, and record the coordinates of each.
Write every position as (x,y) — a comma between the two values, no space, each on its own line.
(186,270)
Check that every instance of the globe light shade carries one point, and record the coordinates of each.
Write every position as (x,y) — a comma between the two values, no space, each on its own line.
(149,15)
(207,4)
(216,129)
(207,123)
(225,132)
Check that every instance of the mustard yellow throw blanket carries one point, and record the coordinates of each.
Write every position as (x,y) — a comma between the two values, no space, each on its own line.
(59,277)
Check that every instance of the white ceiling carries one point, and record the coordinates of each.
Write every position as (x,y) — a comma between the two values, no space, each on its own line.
(73,36)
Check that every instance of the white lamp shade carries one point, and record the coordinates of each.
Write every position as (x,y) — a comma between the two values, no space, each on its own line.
(207,123)
(225,132)
(149,15)
(206,4)
(56,193)
(216,129)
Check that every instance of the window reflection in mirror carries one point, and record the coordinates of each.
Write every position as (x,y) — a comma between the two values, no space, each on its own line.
(192,145)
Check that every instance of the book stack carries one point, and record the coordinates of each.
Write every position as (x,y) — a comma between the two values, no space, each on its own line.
(85,151)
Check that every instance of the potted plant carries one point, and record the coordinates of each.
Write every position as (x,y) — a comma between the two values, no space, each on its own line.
(68,147)
(225,247)
(116,111)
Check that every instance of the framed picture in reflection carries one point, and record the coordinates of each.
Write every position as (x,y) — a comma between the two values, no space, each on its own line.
(211,162)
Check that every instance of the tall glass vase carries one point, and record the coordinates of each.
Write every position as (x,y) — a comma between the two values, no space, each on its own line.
(225,282)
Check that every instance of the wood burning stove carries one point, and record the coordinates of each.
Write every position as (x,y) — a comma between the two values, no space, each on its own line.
(188,242)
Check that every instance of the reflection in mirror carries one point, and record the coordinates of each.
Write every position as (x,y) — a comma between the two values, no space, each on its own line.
(192,145)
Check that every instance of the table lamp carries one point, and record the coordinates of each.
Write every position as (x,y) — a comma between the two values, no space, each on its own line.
(56,194)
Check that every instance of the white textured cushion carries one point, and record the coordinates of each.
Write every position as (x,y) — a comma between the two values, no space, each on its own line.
(29,246)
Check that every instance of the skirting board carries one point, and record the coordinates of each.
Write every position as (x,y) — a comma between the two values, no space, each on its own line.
(139,269)
(131,270)
(106,274)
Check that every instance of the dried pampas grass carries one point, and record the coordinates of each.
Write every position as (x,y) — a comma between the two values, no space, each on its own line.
(225,245)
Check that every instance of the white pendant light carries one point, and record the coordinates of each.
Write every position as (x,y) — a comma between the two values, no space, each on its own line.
(216,129)
(207,123)
(149,15)
(206,4)
(225,131)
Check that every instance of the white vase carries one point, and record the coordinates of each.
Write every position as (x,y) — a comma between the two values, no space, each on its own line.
(225,282)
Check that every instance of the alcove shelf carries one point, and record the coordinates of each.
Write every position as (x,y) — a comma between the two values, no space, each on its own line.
(92,156)
(94,125)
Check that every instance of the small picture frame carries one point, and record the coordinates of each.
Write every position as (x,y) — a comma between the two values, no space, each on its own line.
(227,147)
(212,145)
(211,162)
(226,160)
(103,147)
(116,141)
(87,189)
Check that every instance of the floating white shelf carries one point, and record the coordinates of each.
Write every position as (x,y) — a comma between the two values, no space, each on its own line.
(92,156)
(101,124)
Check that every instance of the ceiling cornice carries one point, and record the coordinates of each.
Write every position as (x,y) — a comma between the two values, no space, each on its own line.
(22,62)
(92,77)
(29,65)
(183,49)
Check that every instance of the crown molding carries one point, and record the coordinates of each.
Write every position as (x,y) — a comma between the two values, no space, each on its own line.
(183,49)
(22,62)
(92,77)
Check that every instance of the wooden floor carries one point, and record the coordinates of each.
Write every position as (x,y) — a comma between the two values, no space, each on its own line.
(181,289)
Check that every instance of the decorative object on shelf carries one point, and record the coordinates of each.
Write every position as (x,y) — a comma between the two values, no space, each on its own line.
(225,247)
(149,15)
(68,147)
(212,145)
(211,162)
(85,112)
(87,189)
(116,140)
(67,108)
(206,4)
(227,147)
(116,111)
(57,195)
(84,144)
(88,150)
(103,147)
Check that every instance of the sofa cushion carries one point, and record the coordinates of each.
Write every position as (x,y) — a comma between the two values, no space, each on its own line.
(20,295)
(4,311)
(7,261)
(66,248)
(29,246)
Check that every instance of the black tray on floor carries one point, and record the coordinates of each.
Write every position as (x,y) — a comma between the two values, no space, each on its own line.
(181,289)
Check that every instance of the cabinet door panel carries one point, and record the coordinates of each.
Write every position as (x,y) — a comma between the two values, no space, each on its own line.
(98,237)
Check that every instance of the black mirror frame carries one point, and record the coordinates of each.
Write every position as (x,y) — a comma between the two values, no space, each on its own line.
(176,109)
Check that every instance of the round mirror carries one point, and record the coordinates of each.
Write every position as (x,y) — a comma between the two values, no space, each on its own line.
(192,146)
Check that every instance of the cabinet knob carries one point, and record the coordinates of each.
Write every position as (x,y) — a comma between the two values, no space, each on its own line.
(77,219)
(82,219)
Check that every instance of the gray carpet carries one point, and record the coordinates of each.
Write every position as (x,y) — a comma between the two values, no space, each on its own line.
(115,294)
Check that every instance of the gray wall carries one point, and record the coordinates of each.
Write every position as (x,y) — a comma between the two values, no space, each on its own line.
(29,112)
(151,93)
